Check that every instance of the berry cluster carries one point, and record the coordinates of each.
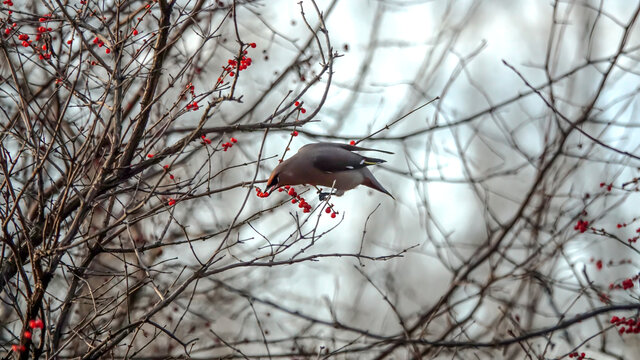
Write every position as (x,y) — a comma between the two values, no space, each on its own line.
(296,199)
(300,108)
(25,39)
(633,325)
(33,324)
(625,284)
(582,226)
(100,44)
(328,210)
(261,194)
(192,105)
(43,50)
(302,203)
(233,65)
(229,144)
(8,30)
(577,356)
(609,186)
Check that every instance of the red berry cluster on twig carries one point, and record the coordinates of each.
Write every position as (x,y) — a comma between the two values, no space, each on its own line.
(229,144)
(194,104)
(302,203)
(626,284)
(100,44)
(609,186)
(33,324)
(296,199)
(632,325)
(300,108)
(261,194)
(582,226)
(233,65)
(577,356)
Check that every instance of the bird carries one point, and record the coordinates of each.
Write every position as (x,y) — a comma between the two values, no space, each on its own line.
(328,164)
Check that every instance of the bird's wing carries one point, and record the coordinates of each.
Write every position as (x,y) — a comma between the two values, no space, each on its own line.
(348,147)
(334,159)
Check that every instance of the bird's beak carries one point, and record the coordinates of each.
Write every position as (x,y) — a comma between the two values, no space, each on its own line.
(269,189)
(271,186)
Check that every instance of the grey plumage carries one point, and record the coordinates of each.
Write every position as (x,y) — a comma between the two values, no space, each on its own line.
(330,165)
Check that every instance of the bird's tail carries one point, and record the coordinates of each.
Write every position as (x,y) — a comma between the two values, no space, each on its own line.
(373,183)
(359,148)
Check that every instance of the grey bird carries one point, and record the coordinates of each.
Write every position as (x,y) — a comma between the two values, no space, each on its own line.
(327,164)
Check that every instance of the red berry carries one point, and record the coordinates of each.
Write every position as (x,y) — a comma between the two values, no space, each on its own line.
(333,215)
(234,140)
(232,74)
(39,324)
(327,210)
(32,324)
(294,133)
(135,32)
(253,45)
(352,142)
(149,156)
(297,103)
(292,192)
(27,334)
